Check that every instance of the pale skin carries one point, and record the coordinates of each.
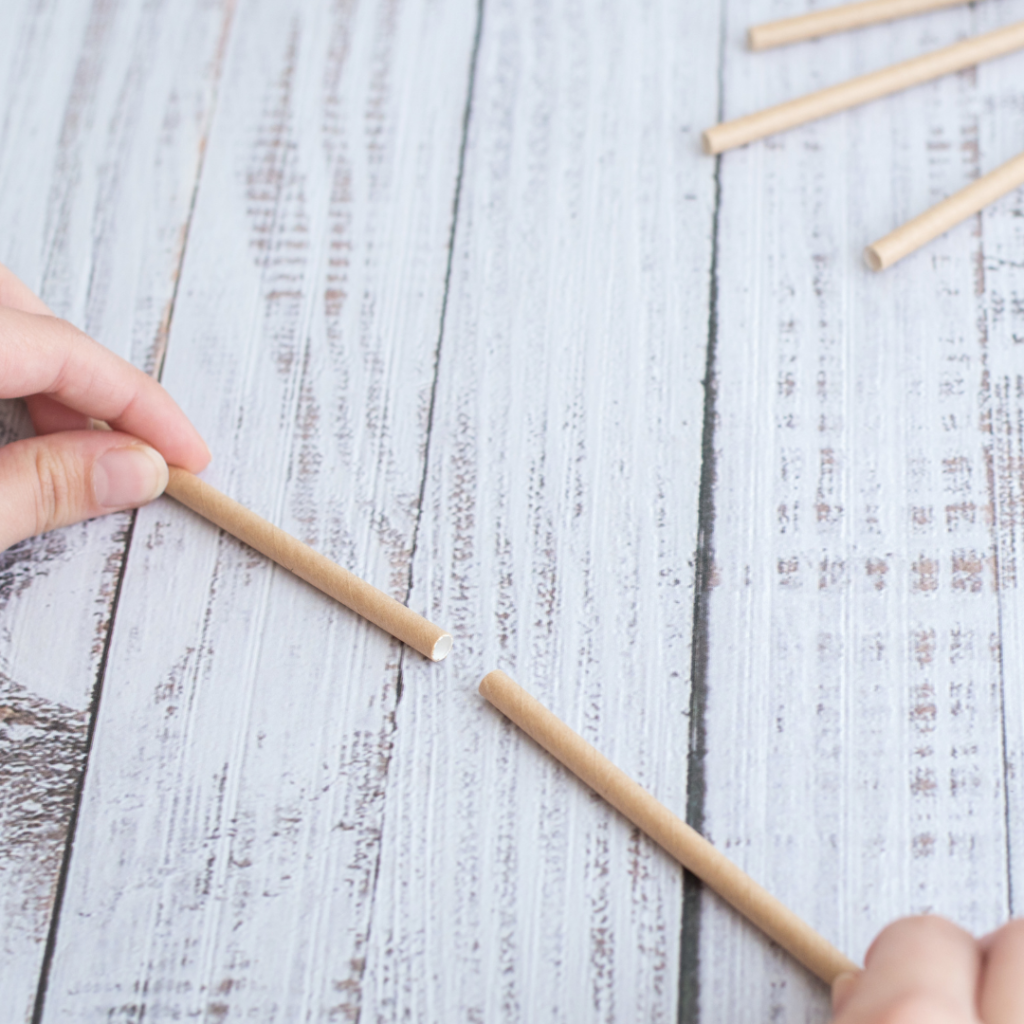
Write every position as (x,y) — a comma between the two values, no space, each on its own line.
(69,472)
(926,970)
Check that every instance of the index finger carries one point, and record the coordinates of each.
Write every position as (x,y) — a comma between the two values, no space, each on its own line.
(918,969)
(1002,991)
(16,294)
(44,355)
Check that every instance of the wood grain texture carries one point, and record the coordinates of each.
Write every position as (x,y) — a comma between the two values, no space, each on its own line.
(103,112)
(1000,278)
(559,526)
(857,665)
(286,817)
(227,855)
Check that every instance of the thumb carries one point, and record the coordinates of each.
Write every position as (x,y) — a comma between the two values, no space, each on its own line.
(63,478)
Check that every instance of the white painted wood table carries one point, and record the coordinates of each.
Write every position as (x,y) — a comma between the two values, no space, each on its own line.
(454,296)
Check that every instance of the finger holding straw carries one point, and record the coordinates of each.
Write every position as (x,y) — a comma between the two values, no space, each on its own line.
(945,215)
(290,553)
(690,848)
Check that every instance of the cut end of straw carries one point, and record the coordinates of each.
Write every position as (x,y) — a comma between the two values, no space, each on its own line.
(873,259)
(493,679)
(441,647)
(707,142)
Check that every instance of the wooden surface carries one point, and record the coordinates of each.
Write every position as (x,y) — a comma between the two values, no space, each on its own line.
(454,297)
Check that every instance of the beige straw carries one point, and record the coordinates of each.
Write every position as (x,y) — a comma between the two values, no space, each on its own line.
(382,610)
(687,846)
(941,217)
(838,19)
(960,55)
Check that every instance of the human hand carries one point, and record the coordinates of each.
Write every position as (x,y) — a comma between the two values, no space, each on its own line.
(67,472)
(926,970)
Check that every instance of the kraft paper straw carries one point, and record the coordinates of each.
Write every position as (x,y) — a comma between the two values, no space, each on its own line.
(369,602)
(689,847)
(852,93)
(838,19)
(941,217)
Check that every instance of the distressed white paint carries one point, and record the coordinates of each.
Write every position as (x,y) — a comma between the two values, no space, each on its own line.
(268,830)
(103,112)
(559,527)
(226,860)
(854,698)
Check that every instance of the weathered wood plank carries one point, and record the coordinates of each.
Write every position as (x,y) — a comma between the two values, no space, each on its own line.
(559,526)
(289,817)
(226,859)
(1001,280)
(854,722)
(103,113)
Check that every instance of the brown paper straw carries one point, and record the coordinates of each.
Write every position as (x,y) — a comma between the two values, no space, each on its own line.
(941,217)
(367,601)
(838,19)
(687,846)
(848,94)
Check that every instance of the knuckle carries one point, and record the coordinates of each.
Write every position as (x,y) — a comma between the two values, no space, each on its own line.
(57,490)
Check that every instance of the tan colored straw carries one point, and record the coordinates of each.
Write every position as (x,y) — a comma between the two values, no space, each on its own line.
(369,602)
(838,19)
(290,553)
(851,93)
(941,217)
(691,849)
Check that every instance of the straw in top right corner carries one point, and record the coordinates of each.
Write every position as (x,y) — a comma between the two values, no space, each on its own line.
(826,22)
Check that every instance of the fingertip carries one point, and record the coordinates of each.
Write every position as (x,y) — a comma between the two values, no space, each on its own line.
(206,456)
(923,968)
(1012,930)
(842,989)
(198,457)
(178,441)
(919,930)
(15,294)
(182,444)
(1002,995)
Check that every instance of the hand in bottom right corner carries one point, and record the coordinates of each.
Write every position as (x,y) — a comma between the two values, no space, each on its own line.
(927,970)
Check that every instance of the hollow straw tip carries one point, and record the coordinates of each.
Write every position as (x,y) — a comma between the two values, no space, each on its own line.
(755,39)
(441,648)
(707,142)
(873,258)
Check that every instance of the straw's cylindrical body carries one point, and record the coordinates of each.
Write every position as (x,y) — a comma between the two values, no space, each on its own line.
(682,842)
(848,94)
(369,602)
(838,19)
(941,217)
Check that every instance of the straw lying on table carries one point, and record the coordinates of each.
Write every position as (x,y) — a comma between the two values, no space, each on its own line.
(852,93)
(838,19)
(941,217)
(687,846)
(347,588)
(290,553)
